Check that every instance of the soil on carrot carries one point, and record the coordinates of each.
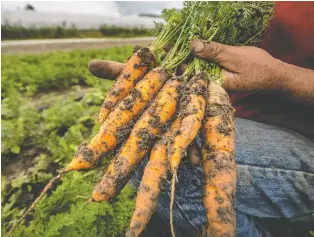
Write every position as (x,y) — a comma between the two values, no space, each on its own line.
(123,132)
(126,76)
(147,139)
(212,111)
(146,56)
(196,89)
(155,122)
(129,102)
(85,153)
(223,127)
(226,214)
(116,92)
(222,161)
(136,80)
(136,48)
(120,181)
(219,200)
(107,104)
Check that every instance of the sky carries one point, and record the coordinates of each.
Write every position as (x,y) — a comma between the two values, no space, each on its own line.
(109,8)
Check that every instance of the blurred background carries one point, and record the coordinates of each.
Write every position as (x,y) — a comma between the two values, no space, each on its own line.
(88,18)
(77,20)
(50,104)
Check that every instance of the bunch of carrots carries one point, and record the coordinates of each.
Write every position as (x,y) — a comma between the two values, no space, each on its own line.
(153,111)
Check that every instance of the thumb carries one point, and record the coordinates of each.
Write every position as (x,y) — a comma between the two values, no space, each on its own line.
(221,54)
(105,68)
(210,51)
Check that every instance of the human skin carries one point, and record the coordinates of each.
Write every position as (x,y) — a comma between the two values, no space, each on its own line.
(245,69)
(251,69)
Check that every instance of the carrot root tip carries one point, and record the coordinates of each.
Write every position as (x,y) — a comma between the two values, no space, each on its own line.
(173,184)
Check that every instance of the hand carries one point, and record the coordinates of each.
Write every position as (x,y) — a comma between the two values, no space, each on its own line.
(245,68)
(105,68)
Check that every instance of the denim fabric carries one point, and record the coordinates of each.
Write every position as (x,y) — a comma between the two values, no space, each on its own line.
(275,170)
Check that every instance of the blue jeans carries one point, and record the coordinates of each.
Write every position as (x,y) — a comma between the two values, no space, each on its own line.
(275,169)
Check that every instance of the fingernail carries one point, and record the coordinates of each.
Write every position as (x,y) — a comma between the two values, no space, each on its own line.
(197,46)
(94,64)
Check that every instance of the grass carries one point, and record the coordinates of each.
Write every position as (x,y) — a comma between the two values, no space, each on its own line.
(49,106)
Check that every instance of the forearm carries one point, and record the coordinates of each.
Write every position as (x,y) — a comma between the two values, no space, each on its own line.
(296,83)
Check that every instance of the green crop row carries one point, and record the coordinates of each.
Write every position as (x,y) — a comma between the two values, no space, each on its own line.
(11,32)
(49,106)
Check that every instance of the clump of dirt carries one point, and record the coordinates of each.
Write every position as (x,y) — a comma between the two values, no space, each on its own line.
(146,56)
(226,214)
(223,127)
(218,110)
(136,80)
(129,102)
(139,65)
(192,88)
(116,92)
(85,153)
(107,104)
(155,122)
(123,132)
(219,199)
(198,88)
(146,139)
(136,48)
(126,76)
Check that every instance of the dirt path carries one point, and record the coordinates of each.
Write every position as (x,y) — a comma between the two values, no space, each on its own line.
(39,46)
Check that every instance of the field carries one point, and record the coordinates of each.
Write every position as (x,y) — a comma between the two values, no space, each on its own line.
(11,32)
(49,106)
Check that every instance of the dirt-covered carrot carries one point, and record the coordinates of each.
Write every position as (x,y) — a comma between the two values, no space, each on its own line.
(154,174)
(135,68)
(139,142)
(194,154)
(138,64)
(219,164)
(119,123)
(113,131)
(191,113)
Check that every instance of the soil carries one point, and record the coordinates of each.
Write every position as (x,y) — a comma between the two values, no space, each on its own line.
(40,46)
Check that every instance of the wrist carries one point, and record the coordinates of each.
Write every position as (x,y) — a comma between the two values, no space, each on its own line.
(281,76)
(295,82)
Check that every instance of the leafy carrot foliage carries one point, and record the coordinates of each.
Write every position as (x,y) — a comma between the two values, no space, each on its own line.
(49,106)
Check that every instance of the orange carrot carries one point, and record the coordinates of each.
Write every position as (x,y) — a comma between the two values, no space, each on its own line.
(191,114)
(219,164)
(117,126)
(135,68)
(139,142)
(154,174)
(113,131)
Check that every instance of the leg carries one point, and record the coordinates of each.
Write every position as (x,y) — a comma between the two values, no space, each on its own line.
(275,180)
(275,171)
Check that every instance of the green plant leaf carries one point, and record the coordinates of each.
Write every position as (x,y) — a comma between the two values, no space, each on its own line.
(15,149)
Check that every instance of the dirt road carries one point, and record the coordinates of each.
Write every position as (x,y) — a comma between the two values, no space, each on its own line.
(39,46)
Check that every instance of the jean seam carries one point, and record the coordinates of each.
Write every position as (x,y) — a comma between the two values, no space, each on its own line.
(272,168)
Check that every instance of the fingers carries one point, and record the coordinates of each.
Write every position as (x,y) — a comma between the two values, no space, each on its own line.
(167,48)
(225,56)
(231,81)
(194,155)
(105,68)
(212,51)
(181,69)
